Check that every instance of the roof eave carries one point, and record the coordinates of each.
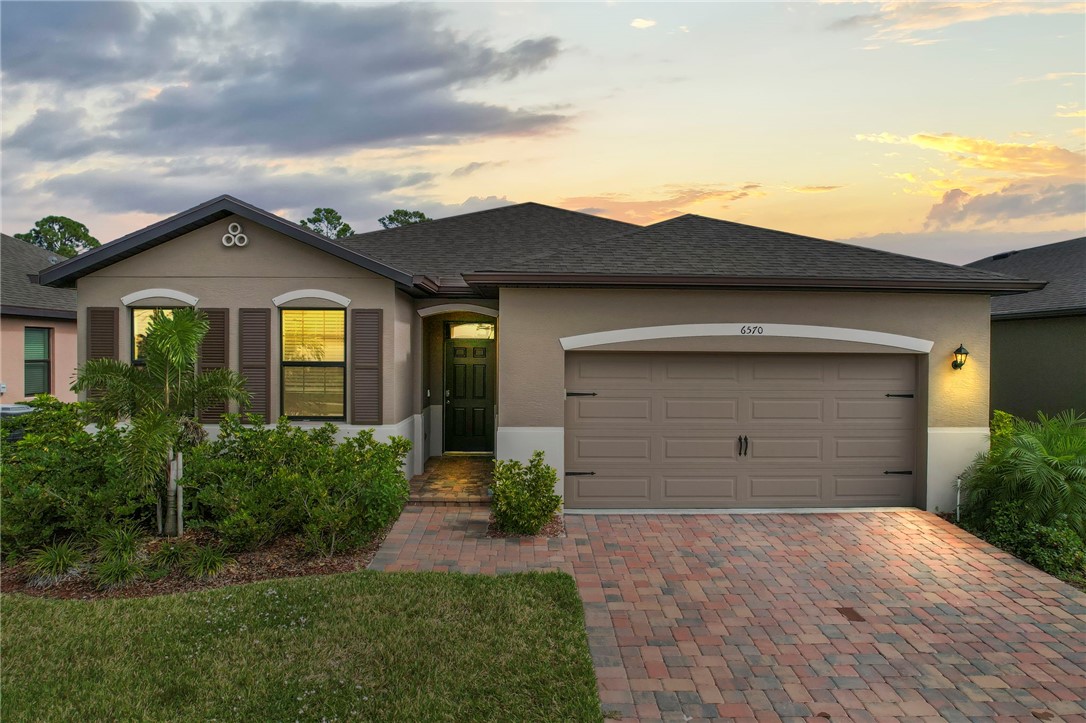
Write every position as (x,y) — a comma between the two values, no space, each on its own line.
(1038,313)
(483,279)
(36,313)
(67,272)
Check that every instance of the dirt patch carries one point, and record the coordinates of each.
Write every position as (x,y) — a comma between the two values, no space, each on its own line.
(555,528)
(283,558)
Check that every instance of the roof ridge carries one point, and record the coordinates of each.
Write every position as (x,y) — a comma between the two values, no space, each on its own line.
(1028,250)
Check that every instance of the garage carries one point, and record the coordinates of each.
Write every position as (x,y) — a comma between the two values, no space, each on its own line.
(688,430)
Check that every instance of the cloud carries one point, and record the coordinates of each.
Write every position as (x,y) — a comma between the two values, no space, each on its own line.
(1052,76)
(1012,202)
(1020,158)
(474,166)
(48,135)
(899,21)
(378,76)
(815,189)
(959,247)
(624,208)
(642,23)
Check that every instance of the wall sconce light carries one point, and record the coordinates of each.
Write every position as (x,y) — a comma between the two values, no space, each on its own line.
(960,355)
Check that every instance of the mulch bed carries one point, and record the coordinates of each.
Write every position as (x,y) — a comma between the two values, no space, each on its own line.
(555,528)
(281,559)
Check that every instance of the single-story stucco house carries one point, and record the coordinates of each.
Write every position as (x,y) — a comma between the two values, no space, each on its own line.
(693,363)
(1039,337)
(37,326)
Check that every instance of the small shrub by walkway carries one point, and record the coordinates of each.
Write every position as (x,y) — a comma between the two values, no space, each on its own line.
(362,646)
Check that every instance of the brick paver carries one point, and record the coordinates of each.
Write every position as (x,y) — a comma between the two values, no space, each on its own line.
(453,480)
(854,616)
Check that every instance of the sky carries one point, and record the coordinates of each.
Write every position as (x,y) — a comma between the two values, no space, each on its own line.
(941,129)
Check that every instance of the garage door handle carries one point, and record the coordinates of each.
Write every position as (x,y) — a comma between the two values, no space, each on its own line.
(743,445)
(898,471)
(580,474)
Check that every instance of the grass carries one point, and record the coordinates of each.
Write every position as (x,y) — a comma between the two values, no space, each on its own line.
(368,645)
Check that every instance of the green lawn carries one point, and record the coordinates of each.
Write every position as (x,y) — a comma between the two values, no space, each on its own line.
(378,646)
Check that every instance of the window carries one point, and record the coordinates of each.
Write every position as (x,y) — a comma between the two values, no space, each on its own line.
(141,319)
(314,368)
(471,330)
(36,367)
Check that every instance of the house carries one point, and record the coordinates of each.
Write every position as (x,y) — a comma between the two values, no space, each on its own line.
(1039,338)
(693,363)
(37,326)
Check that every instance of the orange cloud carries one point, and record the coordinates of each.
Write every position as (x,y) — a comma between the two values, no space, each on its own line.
(651,210)
(815,189)
(1039,159)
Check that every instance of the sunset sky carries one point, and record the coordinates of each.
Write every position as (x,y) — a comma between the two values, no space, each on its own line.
(947,130)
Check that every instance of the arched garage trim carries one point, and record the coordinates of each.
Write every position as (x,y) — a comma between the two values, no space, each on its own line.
(446,308)
(138,296)
(799,331)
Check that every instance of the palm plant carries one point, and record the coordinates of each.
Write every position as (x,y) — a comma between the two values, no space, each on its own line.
(1041,465)
(160,399)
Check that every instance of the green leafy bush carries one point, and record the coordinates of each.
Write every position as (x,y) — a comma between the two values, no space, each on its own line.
(254,484)
(63,482)
(116,572)
(119,543)
(1041,465)
(1002,424)
(207,561)
(170,555)
(1055,548)
(524,498)
(52,563)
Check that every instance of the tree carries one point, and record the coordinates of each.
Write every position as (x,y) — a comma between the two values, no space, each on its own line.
(328,222)
(403,217)
(61,235)
(160,400)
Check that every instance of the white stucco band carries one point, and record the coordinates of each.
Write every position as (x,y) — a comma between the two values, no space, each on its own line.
(311,294)
(751,329)
(143,294)
(950,451)
(520,442)
(446,308)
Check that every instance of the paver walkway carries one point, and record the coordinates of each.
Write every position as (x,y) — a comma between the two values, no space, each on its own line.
(857,616)
(453,480)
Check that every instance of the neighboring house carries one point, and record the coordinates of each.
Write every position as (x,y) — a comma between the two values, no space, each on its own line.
(1039,338)
(37,326)
(693,363)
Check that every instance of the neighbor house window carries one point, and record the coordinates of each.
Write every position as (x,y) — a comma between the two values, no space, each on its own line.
(36,361)
(471,330)
(314,368)
(141,319)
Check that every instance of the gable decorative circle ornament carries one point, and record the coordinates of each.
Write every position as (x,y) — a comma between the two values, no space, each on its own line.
(234,236)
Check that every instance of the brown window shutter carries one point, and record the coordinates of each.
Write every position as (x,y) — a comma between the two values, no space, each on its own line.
(215,354)
(103,336)
(365,366)
(254,332)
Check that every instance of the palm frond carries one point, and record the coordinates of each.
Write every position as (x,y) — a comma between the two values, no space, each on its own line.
(123,390)
(211,387)
(148,442)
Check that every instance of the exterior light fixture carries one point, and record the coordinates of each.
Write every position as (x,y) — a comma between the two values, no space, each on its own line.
(960,355)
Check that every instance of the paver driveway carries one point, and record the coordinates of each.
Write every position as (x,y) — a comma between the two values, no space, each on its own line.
(855,616)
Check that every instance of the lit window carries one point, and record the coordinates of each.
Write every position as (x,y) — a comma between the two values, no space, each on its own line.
(36,361)
(471,330)
(314,370)
(141,319)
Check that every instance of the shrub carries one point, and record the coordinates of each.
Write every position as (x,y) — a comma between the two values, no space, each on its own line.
(1056,548)
(52,563)
(207,561)
(119,543)
(254,484)
(63,482)
(116,572)
(524,498)
(1041,465)
(169,555)
(1001,426)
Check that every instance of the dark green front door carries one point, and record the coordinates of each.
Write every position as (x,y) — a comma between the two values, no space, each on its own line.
(469,395)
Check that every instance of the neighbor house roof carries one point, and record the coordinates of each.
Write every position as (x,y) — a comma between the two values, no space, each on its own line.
(66,273)
(693,250)
(1062,265)
(445,249)
(20,292)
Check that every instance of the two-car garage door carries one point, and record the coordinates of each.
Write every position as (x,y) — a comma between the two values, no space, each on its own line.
(739,430)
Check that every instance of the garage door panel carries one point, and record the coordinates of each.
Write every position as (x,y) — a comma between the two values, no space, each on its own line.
(699,489)
(613,490)
(700,369)
(793,409)
(612,409)
(870,409)
(874,448)
(787,368)
(778,489)
(785,449)
(691,449)
(700,409)
(874,489)
(614,370)
(615,449)
(884,368)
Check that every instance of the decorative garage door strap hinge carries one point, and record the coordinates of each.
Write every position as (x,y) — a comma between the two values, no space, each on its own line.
(902,396)
(581,394)
(898,471)
(580,474)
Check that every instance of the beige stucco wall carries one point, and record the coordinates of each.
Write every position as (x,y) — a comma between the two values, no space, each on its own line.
(62,368)
(249,277)
(532,364)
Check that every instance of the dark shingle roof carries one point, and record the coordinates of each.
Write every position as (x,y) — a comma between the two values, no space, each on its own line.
(1062,265)
(18,295)
(693,245)
(494,238)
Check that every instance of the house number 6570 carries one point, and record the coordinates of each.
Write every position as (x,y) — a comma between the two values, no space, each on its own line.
(747,330)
